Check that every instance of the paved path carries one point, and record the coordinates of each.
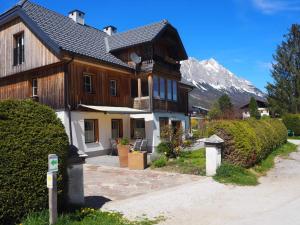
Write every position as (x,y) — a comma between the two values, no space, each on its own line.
(276,201)
(103,184)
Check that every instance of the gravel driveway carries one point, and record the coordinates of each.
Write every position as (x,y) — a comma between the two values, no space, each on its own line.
(276,201)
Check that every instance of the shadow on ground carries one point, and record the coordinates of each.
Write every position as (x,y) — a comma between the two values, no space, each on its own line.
(95,201)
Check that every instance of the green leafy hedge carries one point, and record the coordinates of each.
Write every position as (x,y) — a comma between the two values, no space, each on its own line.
(247,142)
(292,122)
(28,133)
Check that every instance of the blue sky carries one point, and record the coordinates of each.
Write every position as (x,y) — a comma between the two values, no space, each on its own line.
(240,34)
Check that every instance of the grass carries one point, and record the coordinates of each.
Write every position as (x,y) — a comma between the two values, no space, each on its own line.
(269,163)
(191,162)
(87,217)
(231,174)
(294,137)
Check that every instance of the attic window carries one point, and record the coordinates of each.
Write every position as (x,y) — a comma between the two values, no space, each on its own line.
(19,56)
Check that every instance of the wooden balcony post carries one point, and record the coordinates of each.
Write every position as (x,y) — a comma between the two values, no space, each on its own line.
(150,91)
(139,88)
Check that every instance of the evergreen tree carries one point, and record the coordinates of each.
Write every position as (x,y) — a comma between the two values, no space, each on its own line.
(225,106)
(253,108)
(284,92)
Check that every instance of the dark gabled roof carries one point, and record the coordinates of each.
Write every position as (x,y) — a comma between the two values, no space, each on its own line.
(135,36)
(260,104)
(69,35)
(59,32)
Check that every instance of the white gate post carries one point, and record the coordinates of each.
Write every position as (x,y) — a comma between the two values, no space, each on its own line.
(213,147)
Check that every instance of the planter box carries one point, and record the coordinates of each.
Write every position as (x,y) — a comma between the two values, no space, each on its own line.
(137,160)
(123,151)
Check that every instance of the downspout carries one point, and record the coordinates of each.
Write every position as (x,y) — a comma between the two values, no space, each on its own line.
(67,96)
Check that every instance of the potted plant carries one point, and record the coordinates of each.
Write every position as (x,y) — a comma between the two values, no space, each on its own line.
(137,160)
(123,150)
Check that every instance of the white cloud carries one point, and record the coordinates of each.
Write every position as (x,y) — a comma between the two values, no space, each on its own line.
(264,65)
(274,6)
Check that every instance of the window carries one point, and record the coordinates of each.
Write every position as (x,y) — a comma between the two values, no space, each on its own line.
(134,88)
(91,130)
(155,87)
(169,95)
(19,49)
(113,87)
(116,128)
(137,128)
(174,90)
(87,83)
(162,88)
(34,87)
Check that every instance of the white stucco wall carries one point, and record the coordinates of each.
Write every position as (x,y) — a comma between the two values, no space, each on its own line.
(152,128)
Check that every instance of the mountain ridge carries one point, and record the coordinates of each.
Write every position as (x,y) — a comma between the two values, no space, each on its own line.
(211,80)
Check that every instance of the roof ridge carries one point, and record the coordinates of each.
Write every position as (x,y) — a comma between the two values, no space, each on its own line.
(165,21)
(60,14)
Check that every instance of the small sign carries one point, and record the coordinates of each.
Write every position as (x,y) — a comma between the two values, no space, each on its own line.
(49,180)
(52,163)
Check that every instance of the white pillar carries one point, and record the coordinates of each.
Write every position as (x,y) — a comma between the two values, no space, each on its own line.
(213,146)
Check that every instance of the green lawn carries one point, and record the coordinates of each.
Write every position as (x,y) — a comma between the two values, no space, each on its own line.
(240,176)
(294,137)
(87,217)
(188,162)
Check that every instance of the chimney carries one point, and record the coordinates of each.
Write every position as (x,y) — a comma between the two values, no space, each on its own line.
(110,30)
(77,16)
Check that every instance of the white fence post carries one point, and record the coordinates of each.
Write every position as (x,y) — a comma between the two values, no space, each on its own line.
(213,146)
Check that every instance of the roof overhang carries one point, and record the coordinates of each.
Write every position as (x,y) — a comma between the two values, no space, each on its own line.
(112,109)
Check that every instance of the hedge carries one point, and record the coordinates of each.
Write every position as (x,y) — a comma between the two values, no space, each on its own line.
(292,122)
(247,142)
(28,133)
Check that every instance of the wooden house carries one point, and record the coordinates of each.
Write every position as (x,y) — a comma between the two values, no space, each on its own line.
(102,84)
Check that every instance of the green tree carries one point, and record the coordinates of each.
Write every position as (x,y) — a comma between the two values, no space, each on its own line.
(284,92)
(253,108)
(215,112)
(225,106)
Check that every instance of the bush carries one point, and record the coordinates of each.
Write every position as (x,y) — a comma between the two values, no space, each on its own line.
(247,142)
(165,148)
(28,133)
(161,162)
(292,122)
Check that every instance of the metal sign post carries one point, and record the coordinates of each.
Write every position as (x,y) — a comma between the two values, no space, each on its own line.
(52,187)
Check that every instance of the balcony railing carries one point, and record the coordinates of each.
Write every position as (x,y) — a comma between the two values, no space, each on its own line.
(142,103)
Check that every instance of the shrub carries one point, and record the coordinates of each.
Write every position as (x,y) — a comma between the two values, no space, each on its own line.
(124,141)
(28,133)
(247,142)
(160,162)
(292,122)
(165,148)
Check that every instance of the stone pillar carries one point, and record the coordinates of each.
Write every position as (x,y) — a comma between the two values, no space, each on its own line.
(213,147)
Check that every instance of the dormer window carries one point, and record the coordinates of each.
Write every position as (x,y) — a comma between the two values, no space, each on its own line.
(19,56)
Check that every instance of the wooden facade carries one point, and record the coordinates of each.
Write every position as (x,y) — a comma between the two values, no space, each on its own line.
(61,83)
(36,53)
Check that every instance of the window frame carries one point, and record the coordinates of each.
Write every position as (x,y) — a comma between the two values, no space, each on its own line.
(156,87)
(19,49)
(113,88)
(34,86)
(175,88)
(94,131)
(120,123)
(162,88)
(170,90)
(85,84)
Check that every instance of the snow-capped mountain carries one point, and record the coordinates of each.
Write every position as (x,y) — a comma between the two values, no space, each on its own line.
(212,80)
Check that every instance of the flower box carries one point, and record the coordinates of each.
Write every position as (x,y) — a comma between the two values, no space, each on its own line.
(137,160)
(123,151)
